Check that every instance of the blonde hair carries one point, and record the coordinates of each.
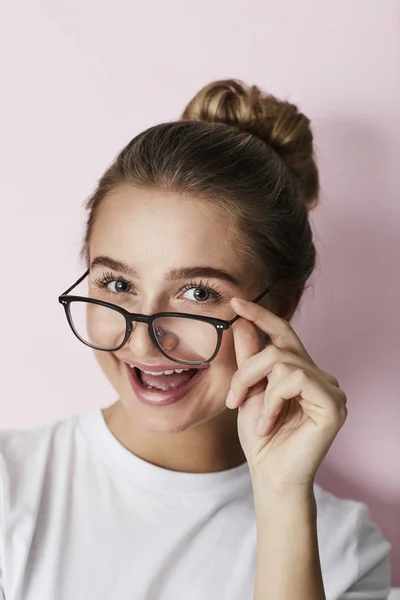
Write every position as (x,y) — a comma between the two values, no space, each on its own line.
(276,122)
(249,154)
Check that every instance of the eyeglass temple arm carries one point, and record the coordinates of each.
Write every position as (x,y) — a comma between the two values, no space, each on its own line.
(264,293)
(76,283)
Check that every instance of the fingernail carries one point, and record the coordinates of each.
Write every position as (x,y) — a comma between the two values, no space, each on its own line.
(231,400)
(260,426)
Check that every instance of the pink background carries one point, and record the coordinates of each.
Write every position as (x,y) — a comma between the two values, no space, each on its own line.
(80,79)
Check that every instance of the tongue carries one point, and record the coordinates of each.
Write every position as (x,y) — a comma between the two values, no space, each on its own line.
(167,382)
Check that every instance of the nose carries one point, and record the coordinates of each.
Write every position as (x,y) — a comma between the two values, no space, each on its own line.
(140,342)
(167,338)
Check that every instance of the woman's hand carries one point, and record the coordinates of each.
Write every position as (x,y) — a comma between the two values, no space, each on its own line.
(302,407)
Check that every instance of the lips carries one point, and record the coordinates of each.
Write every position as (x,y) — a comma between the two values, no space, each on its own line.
(160,397)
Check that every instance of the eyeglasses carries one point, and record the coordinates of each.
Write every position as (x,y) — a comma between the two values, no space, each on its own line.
(184,338)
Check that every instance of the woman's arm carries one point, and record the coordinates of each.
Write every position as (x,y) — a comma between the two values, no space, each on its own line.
(287,564)
(289,413)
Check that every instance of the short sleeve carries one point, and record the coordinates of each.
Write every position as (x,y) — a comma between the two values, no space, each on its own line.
(373,561)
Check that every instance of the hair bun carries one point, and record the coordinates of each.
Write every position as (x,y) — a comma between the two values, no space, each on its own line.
(278,123)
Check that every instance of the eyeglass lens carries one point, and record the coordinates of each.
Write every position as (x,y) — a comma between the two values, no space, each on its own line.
(181,339)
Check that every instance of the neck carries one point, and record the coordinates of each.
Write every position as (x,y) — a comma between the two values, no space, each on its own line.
(205,448)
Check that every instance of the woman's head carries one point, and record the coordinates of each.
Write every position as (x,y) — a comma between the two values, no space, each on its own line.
(227,187)
(249,155)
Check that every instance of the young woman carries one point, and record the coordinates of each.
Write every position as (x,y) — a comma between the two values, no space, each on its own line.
(197,483)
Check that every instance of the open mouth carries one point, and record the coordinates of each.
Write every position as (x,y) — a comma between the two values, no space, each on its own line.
(163,388)
(165,381)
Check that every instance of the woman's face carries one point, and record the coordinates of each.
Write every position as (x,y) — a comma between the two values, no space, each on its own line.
(154,232)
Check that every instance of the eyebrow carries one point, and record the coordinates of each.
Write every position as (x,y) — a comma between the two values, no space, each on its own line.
(172,275)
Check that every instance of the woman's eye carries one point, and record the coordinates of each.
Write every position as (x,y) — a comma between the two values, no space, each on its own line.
(119,286)
(200,294)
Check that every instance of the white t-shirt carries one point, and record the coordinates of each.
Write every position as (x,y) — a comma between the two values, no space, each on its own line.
(82,518)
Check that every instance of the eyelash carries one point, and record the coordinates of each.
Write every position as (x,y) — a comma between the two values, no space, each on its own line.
(208,287)
(107,278)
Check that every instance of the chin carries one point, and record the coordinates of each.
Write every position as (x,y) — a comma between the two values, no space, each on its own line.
(167,422)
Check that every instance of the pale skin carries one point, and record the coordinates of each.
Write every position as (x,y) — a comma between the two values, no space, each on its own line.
(303,407)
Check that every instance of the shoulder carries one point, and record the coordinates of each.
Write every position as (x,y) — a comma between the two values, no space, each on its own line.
(353,551)
(17,441)
(23,450)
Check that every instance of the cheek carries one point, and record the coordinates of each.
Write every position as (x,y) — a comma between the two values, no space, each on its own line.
(226,357)
(109,365)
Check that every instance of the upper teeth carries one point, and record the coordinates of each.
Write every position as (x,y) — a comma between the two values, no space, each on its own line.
(163,372)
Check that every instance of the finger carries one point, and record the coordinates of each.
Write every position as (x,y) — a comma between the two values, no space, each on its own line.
(246,344)
(323,404)
(246,341)
(280,331)
(257,367)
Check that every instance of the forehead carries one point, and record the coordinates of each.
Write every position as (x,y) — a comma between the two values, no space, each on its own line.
(153,229)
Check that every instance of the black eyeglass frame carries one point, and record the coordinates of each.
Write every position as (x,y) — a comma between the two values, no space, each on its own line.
(219,324)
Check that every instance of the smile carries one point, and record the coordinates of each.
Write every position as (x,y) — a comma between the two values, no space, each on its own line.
(163,387)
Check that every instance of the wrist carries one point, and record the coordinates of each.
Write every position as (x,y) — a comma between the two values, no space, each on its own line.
(270,495)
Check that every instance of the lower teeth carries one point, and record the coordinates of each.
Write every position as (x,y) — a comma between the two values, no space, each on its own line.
(153,388)
(150,387)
